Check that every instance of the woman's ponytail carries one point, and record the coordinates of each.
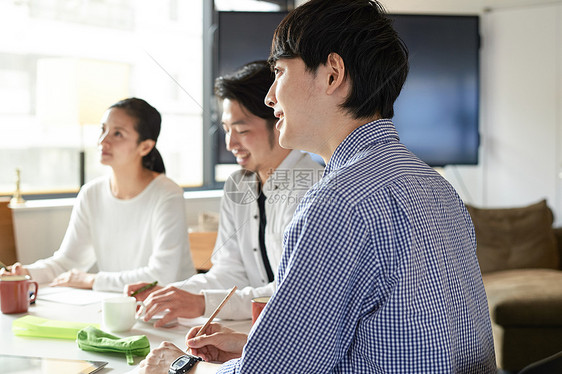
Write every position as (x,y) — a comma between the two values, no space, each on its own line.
(153,161)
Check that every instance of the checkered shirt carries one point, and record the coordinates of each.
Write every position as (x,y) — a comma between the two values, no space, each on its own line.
(379,273)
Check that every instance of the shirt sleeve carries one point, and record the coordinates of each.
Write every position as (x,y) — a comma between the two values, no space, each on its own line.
(76,249)
(228,268)
(315,309)
(170,259)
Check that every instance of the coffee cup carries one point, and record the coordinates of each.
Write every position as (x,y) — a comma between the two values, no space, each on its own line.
(258,303)
(119,313)
(14,293)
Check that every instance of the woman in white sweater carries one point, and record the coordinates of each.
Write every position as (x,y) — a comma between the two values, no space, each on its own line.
(130,224)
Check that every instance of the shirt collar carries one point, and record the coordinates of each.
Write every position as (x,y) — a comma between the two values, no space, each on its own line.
(288,163)
(375,132)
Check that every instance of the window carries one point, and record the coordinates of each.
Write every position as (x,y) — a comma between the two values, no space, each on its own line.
(63,62)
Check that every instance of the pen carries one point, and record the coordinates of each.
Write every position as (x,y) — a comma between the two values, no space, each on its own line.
(212,317)
(144,288)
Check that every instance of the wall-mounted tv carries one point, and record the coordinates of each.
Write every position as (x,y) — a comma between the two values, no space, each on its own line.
(436,114)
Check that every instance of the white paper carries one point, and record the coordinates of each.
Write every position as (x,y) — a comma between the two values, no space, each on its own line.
(73,296)
(192,322)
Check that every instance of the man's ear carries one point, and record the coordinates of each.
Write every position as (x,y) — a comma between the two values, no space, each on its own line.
(336,72)
(146,146)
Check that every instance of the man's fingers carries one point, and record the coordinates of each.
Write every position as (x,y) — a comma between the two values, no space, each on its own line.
(157,302)
(168,317)
(153,310)
(211,329)
(152,306)
(202,341)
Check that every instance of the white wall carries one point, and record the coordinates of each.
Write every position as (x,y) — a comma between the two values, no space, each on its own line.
(40,225)
(521,101)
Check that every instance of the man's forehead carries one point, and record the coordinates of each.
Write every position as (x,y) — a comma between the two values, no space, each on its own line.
(234,113)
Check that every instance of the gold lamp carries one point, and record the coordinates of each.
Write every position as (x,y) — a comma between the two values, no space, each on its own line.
(17,199)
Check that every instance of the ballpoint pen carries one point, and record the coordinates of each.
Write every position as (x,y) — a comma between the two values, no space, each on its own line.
(212,317)
(144,288)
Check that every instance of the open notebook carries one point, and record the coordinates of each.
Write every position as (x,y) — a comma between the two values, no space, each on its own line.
(31,365)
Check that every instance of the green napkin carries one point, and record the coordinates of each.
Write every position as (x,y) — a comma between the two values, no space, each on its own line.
(93,339)
(47,328)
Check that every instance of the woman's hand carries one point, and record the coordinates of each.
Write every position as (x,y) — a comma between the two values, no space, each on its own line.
(218,344)
(15,269)
(74,278)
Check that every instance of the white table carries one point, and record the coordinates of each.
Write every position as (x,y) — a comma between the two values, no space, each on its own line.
(91,313)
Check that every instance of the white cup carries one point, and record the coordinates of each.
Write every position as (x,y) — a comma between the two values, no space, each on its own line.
(119,313)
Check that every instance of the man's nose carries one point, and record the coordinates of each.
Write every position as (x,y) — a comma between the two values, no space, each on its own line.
(231,141)
(270,98)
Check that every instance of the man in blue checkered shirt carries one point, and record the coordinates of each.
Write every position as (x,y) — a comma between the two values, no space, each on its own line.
(379,272)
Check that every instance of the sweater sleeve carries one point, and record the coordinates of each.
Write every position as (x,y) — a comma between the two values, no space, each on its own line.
(76,249)
(170,259)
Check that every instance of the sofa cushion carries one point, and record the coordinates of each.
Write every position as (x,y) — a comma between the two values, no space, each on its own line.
(525,297)
(515,238)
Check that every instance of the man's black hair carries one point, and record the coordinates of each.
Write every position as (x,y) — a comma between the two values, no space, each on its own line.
(249,86)
(375,58)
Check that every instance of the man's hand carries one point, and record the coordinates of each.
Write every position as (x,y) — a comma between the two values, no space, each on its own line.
(218,344)
(15,269)
(141,296)
(74,278)
(159,360)
(179,303)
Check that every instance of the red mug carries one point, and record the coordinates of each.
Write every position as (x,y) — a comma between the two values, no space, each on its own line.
(258,303)
(14,293)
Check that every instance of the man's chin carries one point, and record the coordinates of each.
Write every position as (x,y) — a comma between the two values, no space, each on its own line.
(246,166)
(284,142)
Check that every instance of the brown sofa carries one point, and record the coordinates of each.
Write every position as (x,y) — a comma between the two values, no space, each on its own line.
(519,254)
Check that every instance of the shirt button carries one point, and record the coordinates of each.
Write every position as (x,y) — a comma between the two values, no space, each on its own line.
(262,281)
(255,249)
(256,216)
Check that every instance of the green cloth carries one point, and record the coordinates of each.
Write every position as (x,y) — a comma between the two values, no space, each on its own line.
(47,328)
(93,339)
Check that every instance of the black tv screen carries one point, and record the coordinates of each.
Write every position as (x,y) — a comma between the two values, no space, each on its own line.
(436,114)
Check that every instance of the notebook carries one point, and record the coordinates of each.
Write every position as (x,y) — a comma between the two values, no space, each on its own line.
(30,365)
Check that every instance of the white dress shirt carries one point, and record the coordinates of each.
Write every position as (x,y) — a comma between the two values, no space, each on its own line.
(237,259)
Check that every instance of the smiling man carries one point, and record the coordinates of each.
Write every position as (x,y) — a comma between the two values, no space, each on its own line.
(258,204)
(379,272)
